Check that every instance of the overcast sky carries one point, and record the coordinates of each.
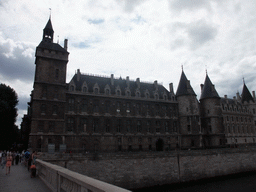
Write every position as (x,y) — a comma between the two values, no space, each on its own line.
(149,39)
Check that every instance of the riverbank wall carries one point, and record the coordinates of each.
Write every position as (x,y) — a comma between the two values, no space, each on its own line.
(133,170)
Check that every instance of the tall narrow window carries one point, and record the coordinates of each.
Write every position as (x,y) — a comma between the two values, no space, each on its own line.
(128,126)
(139,126)
(83,106)
(157,126)
(43,108)
(70,124)
(107,125)
(148,126)
(166,126)
(83,125)
(118,128)
(54,109)
(57,74)
(51,126)
(71,104)
(95,125)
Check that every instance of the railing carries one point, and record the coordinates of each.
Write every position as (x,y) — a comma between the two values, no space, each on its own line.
(59,179)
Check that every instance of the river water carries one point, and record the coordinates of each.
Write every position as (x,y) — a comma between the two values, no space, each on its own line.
(244,182)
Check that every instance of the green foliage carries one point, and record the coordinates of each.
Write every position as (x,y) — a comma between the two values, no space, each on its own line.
(8,114)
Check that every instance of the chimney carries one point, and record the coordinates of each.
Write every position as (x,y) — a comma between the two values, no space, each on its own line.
(66,44)
(253,94)
(155,84)
(112,79)
(127,81)
(171,87)
(225,96)
(234,98)
(237,95)
(78,75)
(138,82)
(202,87)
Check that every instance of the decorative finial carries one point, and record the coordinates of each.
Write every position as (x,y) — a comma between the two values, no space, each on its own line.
(243,80)
(50,12)
(206,69)
(58,39)
(182,67)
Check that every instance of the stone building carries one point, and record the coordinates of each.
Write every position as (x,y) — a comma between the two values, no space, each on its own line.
(95,113)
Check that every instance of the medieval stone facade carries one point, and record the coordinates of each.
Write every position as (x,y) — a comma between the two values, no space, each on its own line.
(108,114)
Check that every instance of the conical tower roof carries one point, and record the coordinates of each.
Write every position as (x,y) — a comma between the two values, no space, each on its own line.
(49,25)
(184,87)
(209,90)
(246,95)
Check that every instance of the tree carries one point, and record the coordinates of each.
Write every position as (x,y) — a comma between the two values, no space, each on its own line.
(8,114)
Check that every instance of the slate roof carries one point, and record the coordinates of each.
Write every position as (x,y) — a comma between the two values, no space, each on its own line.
(246,95)
(51,46)
(49,25)
(209,90)
(184,87)
(102,82)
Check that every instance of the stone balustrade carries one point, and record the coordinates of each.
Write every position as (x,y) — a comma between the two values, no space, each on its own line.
(60,179)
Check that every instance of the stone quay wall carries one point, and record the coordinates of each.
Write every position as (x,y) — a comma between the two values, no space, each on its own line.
(144,169)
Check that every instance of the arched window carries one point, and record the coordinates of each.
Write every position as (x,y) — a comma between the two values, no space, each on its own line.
(84,89)
(72,88)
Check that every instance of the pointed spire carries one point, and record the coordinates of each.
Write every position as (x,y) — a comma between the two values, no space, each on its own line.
(48,32)
(208,90)
(246,95)
(184,87)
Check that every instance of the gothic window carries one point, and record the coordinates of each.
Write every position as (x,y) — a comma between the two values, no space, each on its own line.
(83,125)
(128,93)
(118,128)
(175,126)
(139,126)
(71,104)
(43,109)
(118,92)
(138,109)
(147,95)
(157,110)
(51,126)
(128,126)
(165,97)
(83,106)
(156,96)
(107,125)
(96,90)
(54,109)
(189,128)
(70,124)
(57,74)
(84,89)
(137,94)
(107,91)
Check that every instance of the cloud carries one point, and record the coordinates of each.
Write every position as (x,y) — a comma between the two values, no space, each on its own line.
(188,4)
(17,60)
(130,5)
(200,32)
(96,21)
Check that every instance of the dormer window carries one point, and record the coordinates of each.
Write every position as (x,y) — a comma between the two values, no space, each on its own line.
(165,97)
(84,89)
(72,88)
(147,95)
(156,96)
(128,93)
(107,91)
(96,90)
(137,94)
(118,92)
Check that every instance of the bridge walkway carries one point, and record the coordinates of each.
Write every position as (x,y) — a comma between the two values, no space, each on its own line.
(19,180)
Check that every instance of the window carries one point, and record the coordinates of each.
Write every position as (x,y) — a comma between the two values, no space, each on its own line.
(43,108)
(83,125)
(137,94)
(107,125)
(84,89)
(56,94)
(118,128)
(40,126)
(72,88)
(83,106)
(175,126)
(96,90)
(96,107)
(71,104)
(156,96)
(118,92)
(166,126)
(55,110)
(165,97)
(139,126)
(189,128)
(148,126)
(57,74)
(44,92)
(51,126)
(157,126)
(147,95)
(128,126)
(70,124)
(128,93)
(95,125)
(107,92)
(107,107)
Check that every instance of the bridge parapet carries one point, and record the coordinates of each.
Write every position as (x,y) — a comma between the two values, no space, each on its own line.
(61,179)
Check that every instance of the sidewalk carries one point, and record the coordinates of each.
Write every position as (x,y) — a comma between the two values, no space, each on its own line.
(19,181)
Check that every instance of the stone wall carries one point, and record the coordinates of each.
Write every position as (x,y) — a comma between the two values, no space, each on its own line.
(135,170)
